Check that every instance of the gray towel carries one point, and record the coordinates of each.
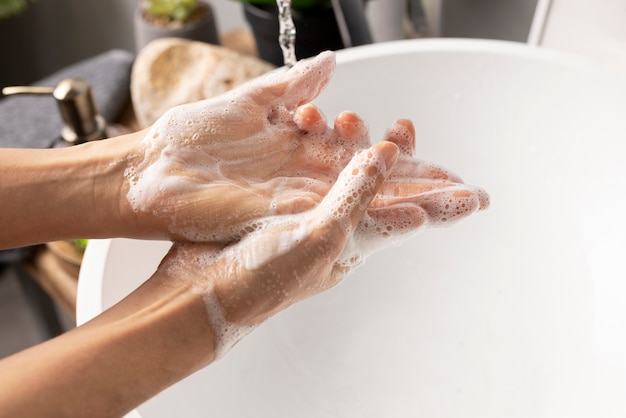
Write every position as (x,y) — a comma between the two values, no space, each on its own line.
(33,121)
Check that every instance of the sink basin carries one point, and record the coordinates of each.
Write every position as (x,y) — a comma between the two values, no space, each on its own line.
(517,311)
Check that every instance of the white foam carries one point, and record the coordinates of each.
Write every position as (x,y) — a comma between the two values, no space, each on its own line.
(227,334)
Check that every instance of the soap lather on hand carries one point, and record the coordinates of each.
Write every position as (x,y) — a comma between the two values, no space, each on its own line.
(216,169)
(266,204)
(259,171)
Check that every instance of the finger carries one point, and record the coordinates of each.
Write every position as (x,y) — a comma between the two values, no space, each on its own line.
(483,199)
(410,189)
(350,126)
(396,221)
(402,133)
(440,206)
(310,118)
(294,87)
(448,206)
(409,168)
(358,183)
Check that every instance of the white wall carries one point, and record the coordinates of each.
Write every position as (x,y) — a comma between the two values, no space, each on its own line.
(489,19)
(595,29)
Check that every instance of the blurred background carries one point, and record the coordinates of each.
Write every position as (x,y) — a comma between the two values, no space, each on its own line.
(51,34)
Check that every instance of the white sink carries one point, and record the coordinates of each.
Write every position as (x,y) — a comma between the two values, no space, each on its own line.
(517,311)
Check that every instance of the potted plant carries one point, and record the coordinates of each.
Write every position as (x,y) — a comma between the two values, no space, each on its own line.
(10,8)
(317,23)
(188,19)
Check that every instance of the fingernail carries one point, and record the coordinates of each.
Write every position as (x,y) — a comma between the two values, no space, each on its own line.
(348,125)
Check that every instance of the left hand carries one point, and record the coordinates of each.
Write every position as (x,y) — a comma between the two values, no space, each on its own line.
(291,258)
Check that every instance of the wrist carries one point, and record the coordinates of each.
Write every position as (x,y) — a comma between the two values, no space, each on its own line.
(153,338)
(111,207)
(168,312)
(56,194)
(208,275)
(98,176)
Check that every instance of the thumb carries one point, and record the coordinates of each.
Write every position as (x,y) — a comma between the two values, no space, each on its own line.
(296,86)
(358,183)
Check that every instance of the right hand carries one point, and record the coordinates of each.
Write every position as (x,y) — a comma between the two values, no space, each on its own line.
(291,258)
(212,169)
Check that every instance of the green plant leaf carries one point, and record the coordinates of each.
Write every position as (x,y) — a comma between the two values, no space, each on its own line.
(10,8)
(175,9)
(80,244)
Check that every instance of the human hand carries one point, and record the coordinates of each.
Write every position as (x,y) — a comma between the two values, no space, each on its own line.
(416,194)
(211,170)
(291,258)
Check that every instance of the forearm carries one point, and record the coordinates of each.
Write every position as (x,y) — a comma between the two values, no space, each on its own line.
(55,194)
(152,339)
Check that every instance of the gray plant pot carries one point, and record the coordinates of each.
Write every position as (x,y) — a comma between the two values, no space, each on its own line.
(204,30)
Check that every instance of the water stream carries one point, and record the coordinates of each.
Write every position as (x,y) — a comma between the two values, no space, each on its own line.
(286,32)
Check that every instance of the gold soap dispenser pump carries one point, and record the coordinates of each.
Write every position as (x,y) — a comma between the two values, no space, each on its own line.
(74,97)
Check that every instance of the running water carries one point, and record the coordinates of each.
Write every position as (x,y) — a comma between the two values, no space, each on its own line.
(286,32)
